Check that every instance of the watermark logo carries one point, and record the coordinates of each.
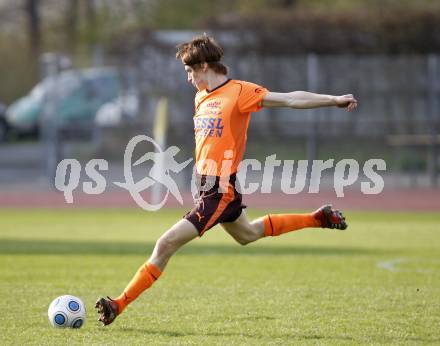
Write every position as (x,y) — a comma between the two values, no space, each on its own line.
(68,173)
(159,182)
(159,173)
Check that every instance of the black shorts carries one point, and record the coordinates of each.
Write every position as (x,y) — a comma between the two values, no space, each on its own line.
(214,205)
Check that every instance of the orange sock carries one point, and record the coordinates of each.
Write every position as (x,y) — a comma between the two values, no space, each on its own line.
(146,275)
(275,225)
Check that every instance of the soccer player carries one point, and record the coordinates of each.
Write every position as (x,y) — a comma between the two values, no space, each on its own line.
(222,113)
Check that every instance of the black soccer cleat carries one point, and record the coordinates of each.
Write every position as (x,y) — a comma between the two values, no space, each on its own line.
(108,310)
(330,218)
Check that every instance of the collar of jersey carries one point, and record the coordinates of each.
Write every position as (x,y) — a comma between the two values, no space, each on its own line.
(218,86)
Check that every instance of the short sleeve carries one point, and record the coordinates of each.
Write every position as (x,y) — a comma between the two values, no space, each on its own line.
(251,97)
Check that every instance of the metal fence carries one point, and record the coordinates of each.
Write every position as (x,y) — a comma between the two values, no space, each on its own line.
(398,118)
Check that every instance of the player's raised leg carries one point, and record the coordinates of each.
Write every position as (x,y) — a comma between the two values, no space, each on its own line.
(178,235)
(244,231)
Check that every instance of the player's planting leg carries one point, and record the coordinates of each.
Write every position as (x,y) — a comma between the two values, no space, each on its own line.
(178,235)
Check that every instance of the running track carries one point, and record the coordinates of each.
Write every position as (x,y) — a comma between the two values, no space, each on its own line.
(388,200)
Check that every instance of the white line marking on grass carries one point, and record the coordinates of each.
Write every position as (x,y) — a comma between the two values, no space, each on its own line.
(395,266)
(391,265)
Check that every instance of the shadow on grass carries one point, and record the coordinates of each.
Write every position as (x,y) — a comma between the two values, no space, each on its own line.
(27,246)
(287,336)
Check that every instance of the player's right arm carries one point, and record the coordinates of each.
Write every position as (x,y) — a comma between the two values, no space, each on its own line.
(307,100)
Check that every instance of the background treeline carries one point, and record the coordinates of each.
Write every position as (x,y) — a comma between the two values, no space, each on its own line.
(80,28)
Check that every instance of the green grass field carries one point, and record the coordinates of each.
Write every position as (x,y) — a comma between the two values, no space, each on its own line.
(376,283)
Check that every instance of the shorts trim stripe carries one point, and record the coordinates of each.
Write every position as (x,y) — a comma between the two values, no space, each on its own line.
(271,226)
(224,201)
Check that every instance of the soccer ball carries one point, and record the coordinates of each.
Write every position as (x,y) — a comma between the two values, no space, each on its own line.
(67,312)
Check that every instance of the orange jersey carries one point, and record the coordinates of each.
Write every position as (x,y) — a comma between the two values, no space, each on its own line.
(221,121)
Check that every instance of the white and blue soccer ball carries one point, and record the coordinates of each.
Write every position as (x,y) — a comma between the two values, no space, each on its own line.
(67,312)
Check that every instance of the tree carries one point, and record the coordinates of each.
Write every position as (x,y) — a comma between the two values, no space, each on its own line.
(72,24)
(34,26)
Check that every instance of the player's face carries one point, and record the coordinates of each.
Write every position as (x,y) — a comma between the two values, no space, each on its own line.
(196,77)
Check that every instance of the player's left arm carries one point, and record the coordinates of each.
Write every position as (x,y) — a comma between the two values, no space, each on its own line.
(307,100)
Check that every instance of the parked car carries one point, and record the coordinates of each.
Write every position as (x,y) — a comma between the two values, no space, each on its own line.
(76,97)
(123,108)
(4,128)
